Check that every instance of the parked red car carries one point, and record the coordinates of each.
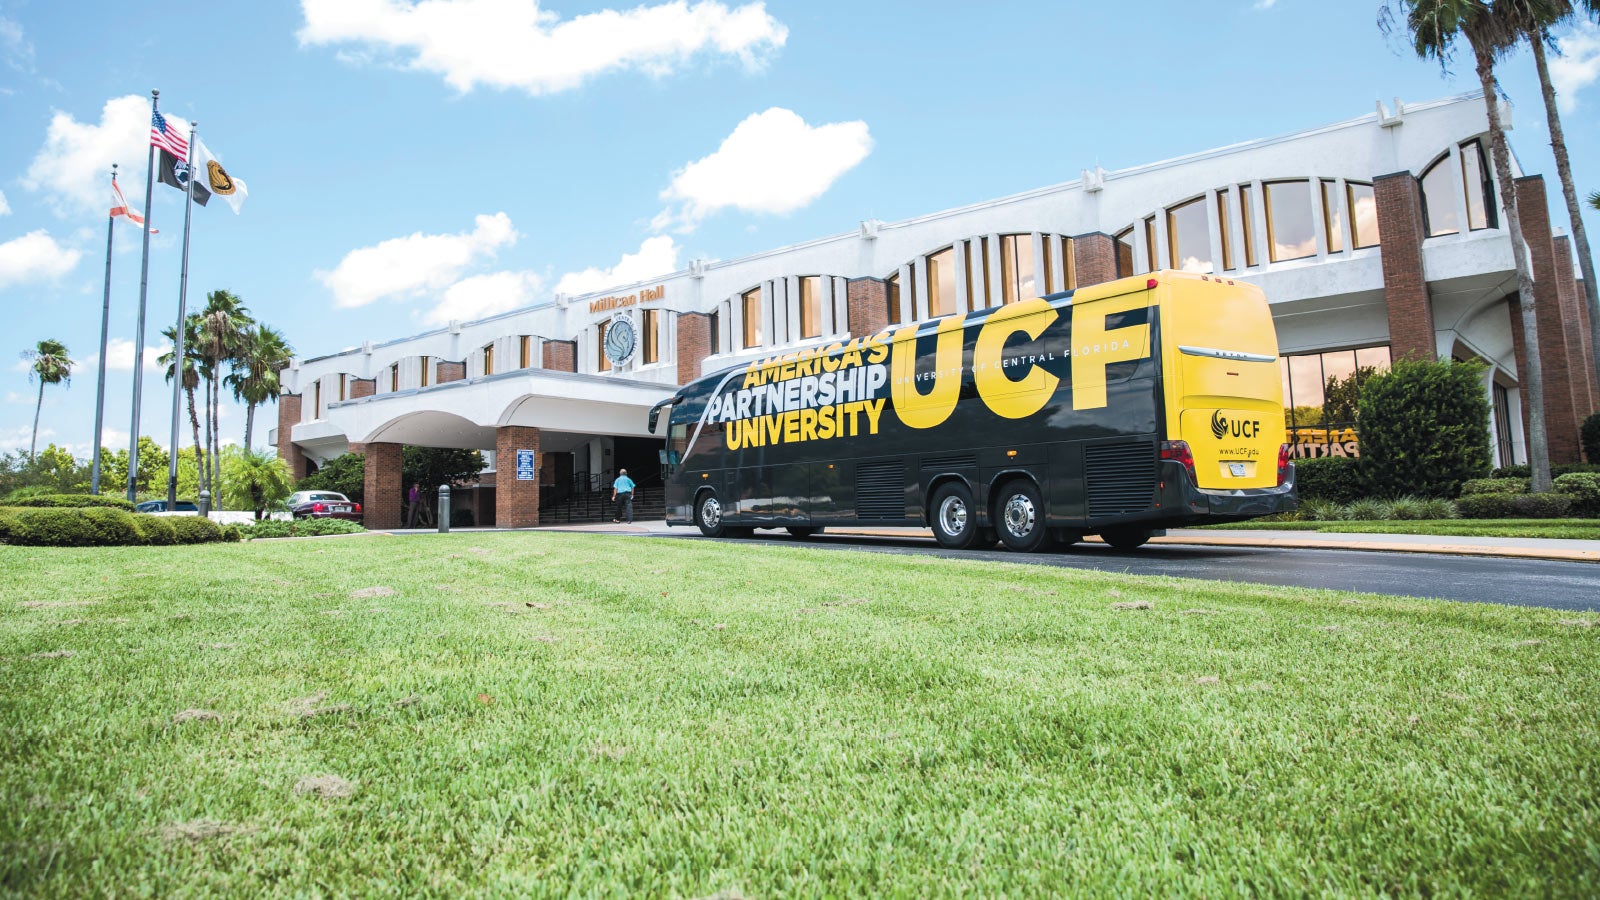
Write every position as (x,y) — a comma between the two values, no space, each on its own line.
(323,505)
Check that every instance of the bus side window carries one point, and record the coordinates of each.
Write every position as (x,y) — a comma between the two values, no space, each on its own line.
(678,442)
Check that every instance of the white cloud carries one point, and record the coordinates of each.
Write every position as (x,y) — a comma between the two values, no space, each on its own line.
(35,257)
(484,295)
(1577,67)
(772,163)
(18,437)
(14,46)
(5,208)
(416,264)
(119,356)
(1264,4)
(73,168)
(516,44)
(657,256)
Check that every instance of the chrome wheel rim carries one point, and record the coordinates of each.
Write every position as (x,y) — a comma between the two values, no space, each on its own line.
(711,512)
(1019,515)
(953,516)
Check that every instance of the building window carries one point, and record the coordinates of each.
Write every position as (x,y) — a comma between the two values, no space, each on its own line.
(715,345)
(987,300)
(1189,237)
(1247,217)
(942,283)
(810,306)
(394,377)
(1363,213)
(1125,252)
(1478,185)
(750,304)
(650,324)
(1291,233)
(1069,268)
(1150,244)
(974,300)
(316,404)
(1225,230)
(343,382)
(427,364)
(1017,280)
(525,352)
(891,297)
(1332,216)
(488,359)
(1320,388)
(1502,424)
(1438,200)
(603,362)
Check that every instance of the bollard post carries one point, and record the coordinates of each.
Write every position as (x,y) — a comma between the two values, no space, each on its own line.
(444,508)
(205,503)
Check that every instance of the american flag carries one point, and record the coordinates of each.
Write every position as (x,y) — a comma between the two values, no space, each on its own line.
(167,138)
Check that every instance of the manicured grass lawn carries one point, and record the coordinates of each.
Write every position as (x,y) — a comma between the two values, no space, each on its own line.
(527,714)
(1573,529)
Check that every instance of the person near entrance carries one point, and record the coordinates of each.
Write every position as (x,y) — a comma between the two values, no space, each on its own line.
(415,500)
(622,495)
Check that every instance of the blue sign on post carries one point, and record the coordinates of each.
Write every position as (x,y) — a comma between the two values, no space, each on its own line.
(525,465)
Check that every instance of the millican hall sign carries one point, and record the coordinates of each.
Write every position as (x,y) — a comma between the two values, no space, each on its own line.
(648,295)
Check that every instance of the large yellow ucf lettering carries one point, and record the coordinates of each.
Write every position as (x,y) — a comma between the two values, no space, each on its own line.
(1028,394)
(1094,346)
(916,409)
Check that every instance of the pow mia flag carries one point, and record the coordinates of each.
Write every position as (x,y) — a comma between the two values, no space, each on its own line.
(175,172)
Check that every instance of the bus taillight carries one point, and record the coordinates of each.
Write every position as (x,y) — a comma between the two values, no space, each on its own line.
(1178,451)
(1285,454)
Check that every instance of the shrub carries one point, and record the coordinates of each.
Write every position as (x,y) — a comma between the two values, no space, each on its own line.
(156,530)
(274,528)
(1540,506)
(1486,506)
(1406,508)
(49,527)
(230,534)
(1584,489)
(1589,435)
(1321,511)
(70,501)
(195,529)
(1424,428)
(1367,509)
(1334,478)
(1495,486)
(1439,508)
(1523,470)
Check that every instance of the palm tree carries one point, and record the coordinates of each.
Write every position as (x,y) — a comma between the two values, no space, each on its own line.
(191,380)
(222,322)
(254,380)
(257,481)
(1535,18)
(1434,26)
(1594,200)
(48,363)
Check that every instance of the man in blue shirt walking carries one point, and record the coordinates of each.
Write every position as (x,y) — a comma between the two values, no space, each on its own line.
(622,495)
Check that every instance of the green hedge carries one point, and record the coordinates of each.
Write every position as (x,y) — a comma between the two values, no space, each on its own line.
(1523,470)
(1514,506)
(1495,486)
(1335,479)
(1589,435)
(275,528)
(70,501)
(1584,489)
(104,527)
(1424,428)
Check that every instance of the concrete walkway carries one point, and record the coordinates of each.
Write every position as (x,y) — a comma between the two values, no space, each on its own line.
(1459,545)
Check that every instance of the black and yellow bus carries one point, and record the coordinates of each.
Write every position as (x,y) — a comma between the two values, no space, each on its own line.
(1119,410)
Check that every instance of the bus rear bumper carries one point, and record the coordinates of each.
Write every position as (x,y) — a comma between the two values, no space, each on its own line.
(1181,496)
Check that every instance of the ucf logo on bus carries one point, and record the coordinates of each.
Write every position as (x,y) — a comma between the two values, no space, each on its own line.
(839,390)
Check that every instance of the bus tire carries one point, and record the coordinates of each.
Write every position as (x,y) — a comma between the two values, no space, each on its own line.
(803,531)
(1126,537)
(1019,517)
(954,516)
(708,515)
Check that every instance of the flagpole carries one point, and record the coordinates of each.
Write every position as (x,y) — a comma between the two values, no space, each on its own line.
(179,332)
(105,321)
(144,288)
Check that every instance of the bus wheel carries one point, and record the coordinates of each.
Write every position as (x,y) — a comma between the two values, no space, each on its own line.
(1019,513)
(803,531)
(1126,537)
(708,515)
(955,518)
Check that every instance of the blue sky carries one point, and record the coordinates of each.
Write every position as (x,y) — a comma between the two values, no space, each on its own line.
(410,162)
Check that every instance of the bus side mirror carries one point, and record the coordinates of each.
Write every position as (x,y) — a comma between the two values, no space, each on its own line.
(655,413)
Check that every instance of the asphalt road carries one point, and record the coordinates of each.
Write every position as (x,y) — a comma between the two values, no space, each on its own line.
(1570,586)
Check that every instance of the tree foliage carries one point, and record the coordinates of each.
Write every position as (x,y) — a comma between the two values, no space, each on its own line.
(1424,428)
(427,466)
(153,462)
(254,481)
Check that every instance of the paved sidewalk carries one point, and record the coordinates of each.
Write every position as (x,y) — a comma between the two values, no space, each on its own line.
(1458,545)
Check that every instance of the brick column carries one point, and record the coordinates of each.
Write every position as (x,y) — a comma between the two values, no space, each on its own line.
(694,344)
(516,503)
(866,306)
(1094,258)
(288,417)
(449,371)
(561,356)
(383,495)
(1573,303)
(363,387)
(1560,419)
(1405,287)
